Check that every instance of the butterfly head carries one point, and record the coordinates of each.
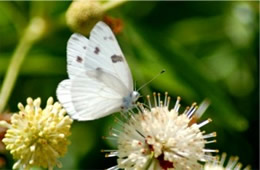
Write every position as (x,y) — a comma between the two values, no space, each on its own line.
(135,95)
(130,100)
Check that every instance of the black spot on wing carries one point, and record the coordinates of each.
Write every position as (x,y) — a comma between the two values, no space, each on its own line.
(97,50)
(111,38)
(108,38)
(98,69)
(116,58)
(95,74)
(84,47)
(79,59)
(75,38)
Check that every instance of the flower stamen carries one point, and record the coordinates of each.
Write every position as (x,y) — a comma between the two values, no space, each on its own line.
(158,137)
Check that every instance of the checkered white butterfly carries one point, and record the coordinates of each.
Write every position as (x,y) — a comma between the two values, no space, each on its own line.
(100,82)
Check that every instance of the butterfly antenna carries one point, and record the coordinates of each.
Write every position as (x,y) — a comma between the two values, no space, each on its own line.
(152,79)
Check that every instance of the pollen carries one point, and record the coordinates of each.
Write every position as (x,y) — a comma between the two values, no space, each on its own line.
(36,136)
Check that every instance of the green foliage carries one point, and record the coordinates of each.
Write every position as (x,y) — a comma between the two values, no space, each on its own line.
(209,50)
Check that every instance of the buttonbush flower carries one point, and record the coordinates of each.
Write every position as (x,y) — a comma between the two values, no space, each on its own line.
(159,138)
(83,15)
(220,164)
(3,117)
(37,137)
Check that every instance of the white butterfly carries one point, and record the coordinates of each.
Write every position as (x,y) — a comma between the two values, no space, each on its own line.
(100,81)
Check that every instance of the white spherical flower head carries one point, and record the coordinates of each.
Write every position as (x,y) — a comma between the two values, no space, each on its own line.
(36,136)
(221,163)
(159,138)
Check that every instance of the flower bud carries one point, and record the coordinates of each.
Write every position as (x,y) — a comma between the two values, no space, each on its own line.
(83,15)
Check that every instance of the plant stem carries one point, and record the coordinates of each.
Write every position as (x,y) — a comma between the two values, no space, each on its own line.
(112,4)
(32,33)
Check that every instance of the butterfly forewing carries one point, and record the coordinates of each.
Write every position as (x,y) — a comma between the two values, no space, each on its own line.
(104,52)
(76,54)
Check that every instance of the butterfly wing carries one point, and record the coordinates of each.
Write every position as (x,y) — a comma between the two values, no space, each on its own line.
(104,52)
(64,96)
(91,95)
(100,51)
(76,54)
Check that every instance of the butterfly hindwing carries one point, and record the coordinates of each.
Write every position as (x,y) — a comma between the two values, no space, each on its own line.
(94,95)
(64,96)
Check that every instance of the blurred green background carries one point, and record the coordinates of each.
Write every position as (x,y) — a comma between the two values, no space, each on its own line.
(209,50)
